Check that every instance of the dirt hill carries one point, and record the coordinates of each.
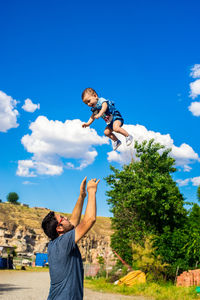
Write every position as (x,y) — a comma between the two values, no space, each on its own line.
(20,226)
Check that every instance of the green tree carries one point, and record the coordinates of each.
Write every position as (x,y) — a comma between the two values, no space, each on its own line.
(193,245)
(101,260)
(194,216)
(176,248)
(13,198)
(143,198)
(170,246)
(198,193)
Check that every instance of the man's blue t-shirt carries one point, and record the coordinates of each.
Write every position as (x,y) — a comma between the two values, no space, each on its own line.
(66,268)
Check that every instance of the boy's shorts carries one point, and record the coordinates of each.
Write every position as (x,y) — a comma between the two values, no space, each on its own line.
(117,116)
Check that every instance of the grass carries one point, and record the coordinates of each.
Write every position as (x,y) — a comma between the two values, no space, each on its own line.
(154,290)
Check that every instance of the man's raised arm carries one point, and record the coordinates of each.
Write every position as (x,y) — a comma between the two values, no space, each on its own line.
(90,212)
(76,214)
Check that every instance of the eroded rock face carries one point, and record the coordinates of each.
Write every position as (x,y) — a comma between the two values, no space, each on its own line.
(29,241)
(92,246)
(26,240)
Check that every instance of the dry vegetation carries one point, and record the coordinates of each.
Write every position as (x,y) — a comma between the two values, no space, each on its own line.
(13,215)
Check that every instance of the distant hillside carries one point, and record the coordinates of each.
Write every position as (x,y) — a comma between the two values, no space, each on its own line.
(21,226)
(32,217)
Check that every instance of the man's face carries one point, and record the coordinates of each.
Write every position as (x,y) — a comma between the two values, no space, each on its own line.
(64,224)
(90,100)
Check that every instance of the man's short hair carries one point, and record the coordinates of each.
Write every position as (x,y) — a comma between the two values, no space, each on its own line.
(88,91)
(49,225)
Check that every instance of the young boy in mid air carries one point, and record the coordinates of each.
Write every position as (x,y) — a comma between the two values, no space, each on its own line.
(101,107)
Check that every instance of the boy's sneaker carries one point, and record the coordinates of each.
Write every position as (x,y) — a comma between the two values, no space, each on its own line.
(116,144)
(129,140)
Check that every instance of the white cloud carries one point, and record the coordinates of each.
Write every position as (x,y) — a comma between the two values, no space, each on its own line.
(54,143)
(187,168)
(195,71)
(29,168)
(29,106)
(56,146)
(195,108)
(28,182)
(24,167)
(184,154)
(196,181)
(183,182)
(195,89)
(70,165)
(8,113)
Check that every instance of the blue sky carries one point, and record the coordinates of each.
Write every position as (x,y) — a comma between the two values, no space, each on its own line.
(144,55)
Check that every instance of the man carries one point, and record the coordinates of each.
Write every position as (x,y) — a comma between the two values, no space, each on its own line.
(65,262)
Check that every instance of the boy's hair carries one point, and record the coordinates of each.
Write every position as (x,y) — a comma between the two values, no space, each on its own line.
(88,91)
(49,225)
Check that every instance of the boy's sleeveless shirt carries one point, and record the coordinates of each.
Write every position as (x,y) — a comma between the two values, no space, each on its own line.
(110,112)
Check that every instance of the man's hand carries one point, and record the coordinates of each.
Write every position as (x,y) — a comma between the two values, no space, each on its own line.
(92,185)
(90,213)
(76,214)
(84,125)
(82,187)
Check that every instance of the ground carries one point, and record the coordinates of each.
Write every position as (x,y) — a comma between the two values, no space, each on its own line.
(23,285)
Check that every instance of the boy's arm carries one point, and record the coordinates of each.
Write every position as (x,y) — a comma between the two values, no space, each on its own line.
(90,213)
(102,111)
(89,122)
(76,214)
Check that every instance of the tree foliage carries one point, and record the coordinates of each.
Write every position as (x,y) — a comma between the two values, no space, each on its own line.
(198,193)
(143,198)
(13,198)
(145,259)
(181,247)
(151,225)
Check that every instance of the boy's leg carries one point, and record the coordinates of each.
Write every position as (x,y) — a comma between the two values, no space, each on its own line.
(117,128)
(109,133)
